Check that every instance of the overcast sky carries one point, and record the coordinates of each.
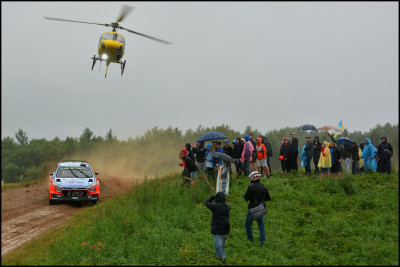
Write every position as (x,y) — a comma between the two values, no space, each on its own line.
(265,64)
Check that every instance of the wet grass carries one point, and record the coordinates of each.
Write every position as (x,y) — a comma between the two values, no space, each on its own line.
(350,221)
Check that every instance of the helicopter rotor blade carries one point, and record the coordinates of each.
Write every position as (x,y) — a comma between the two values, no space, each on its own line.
(147,36)
(124,12)
(68,20)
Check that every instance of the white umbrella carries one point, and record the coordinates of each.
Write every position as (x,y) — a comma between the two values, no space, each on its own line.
(332,127)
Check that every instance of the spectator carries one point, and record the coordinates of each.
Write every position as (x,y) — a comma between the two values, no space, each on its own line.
(209,163)
(283,154)
(325,161)
(257,193)
(220,225)
(308,149)
(295,150)
(229,151)
(316,153)
(254,155)
(190,166)
(355,159)
(200,153)
(269,152)
(347,152)
(237,152)
(261,158)
(217,146)
(246,156)
(336,158)
(190,153)
(362,145)
(385,154)
(369,156)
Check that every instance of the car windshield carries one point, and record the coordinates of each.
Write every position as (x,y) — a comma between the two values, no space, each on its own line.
(75,171)
(113,36)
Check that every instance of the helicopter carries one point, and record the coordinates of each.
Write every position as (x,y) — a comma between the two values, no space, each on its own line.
(111,45)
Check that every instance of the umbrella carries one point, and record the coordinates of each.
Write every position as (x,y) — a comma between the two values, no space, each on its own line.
(307,127)
(341,140)
(222,156)
(211,136)
(331,127)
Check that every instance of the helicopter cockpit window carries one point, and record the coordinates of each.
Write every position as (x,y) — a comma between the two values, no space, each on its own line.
(113,36)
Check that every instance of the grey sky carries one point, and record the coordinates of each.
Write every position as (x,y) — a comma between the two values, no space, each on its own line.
(265,64)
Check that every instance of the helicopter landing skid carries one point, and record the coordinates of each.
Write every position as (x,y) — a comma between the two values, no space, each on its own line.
(123,64)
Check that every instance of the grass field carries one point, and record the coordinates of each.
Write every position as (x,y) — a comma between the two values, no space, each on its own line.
(351,221)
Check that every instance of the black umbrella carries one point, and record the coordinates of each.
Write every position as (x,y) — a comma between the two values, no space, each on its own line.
(307,127)
(211,136)
(222,156)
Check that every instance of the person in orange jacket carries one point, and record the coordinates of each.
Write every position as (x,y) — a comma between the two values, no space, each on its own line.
(261,160)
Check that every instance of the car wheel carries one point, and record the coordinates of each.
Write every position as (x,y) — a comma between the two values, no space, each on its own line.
(94,202)
(52,202)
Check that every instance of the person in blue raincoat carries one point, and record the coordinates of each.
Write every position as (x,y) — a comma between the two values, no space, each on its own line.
(369,155)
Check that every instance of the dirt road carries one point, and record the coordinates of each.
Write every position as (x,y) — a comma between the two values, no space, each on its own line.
(26,213)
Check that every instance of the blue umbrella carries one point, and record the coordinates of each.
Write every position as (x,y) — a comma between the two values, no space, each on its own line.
(211,136)
(307,127)
(341,141)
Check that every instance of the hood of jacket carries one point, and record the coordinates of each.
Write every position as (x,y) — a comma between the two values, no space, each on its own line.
(220,197)
(368,140)
(259,141)
(247,137)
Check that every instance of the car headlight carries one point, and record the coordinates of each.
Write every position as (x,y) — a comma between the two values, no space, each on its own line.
(91,188)
(57,187)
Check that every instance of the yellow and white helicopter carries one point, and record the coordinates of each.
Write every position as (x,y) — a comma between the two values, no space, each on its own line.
(111,46)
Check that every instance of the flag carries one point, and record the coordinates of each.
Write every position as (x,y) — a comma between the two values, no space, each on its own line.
(341,126)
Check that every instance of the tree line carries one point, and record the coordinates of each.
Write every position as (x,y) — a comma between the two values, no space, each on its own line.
(154,153)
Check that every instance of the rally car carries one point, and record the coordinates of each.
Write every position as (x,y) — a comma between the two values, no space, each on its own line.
(74,181)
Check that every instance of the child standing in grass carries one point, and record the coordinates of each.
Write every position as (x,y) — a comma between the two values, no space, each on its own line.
(220,225)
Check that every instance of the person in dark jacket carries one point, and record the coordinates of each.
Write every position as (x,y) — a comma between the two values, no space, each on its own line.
(190,153)
(283,154)
(316,153)
(355,159)
(229,151)
(220,225)
(336,157)
(269,154)
(257,193)
(347,155)
(237,153)
(200,153)
(385,154)
(191,167)
(308,149)
(295,150)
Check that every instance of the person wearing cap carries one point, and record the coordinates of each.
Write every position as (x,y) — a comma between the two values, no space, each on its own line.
(209,163)
(308,151)
(257,194)
(385,154)
(217,146)
(237,152)
(229,151)
(220,225)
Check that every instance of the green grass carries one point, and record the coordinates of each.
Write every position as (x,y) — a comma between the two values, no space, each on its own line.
(351,221)
(8,186)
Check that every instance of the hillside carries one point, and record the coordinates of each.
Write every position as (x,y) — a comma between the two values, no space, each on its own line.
(351,221)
